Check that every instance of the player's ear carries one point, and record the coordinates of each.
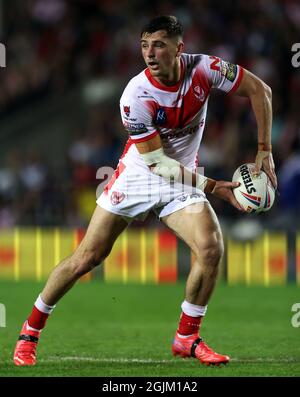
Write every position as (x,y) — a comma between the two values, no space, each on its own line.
(180,47)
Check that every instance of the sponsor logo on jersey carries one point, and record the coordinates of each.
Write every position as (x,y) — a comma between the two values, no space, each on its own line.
(116,198)
(180,133)
(199,93)
(126,110)
(135,128)
(129,118)
(146,94)
(229,70)
(161,117)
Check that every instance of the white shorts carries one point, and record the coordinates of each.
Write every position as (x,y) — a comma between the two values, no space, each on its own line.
(133,193)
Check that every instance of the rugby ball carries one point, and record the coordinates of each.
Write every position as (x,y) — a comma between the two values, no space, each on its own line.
(255,193)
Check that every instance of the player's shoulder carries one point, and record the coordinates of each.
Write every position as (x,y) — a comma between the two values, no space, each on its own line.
(135,87)
(195,61)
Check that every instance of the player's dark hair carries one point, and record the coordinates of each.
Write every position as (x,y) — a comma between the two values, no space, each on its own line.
(169,23)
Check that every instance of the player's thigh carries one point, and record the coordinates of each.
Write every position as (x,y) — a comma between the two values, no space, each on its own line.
(103,229)
(198,226)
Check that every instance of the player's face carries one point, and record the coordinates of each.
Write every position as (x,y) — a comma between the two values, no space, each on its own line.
(161,54)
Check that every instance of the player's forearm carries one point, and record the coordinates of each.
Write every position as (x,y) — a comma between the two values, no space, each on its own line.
(168,168)
(196,180)
(210,185)
(261,103)
(260,95)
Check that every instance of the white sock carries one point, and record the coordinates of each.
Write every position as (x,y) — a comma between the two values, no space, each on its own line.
(183,336)
(39,304)
(193,310)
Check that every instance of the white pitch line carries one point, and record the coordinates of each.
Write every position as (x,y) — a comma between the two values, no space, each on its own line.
(107,360)
(257,360)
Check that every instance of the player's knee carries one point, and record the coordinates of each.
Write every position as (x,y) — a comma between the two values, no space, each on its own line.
(213,254)
(85,260)
(210,252)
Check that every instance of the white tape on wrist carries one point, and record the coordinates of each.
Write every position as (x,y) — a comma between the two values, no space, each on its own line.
(164,165)
(167,168)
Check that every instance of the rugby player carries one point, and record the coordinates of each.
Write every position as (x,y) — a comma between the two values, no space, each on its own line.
(163,110)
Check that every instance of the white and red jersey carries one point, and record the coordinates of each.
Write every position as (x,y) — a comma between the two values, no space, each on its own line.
(177,113)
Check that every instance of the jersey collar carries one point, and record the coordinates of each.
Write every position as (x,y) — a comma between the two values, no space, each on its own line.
(171,88)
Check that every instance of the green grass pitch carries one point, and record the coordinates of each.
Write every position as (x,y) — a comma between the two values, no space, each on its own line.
(126,330)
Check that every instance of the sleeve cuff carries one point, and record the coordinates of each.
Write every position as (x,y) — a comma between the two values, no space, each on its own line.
(238,80)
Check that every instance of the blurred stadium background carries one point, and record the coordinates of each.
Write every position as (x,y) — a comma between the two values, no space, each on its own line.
(67,63)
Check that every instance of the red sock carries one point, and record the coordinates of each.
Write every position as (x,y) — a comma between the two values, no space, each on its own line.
(188,325)
(37,319)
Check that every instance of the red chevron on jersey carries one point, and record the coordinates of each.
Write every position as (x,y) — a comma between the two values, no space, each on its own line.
(186,107)
(177,113)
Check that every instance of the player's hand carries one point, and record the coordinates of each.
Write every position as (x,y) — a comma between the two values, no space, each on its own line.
(223,190)
(264,160)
